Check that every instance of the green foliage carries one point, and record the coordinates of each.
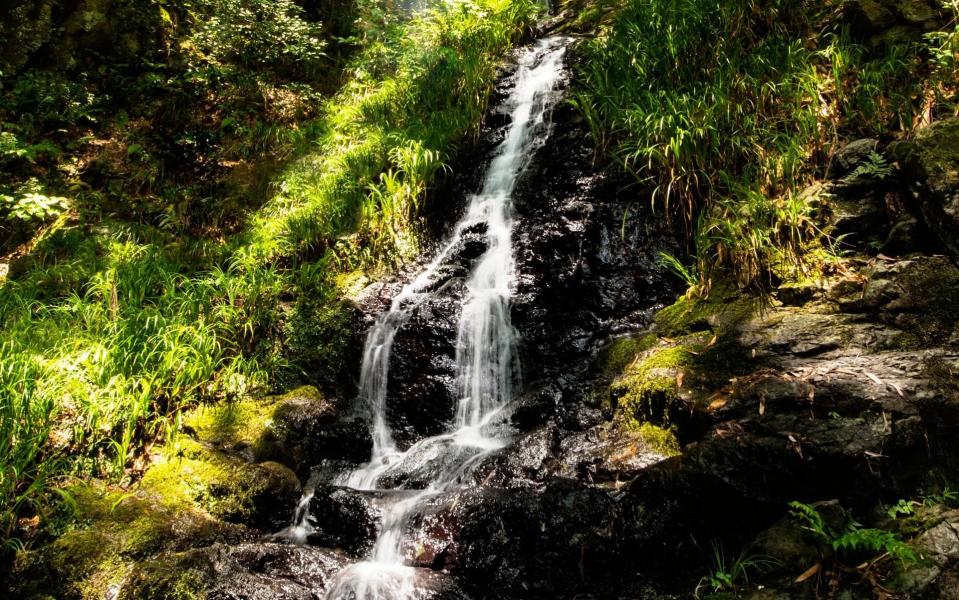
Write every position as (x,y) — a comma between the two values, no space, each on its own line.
(726,110)
(688,275)
(695,93)
(943,47)
(30,205)
(901,508)
(853,539)
(258,33)
(874,167)
(946,496)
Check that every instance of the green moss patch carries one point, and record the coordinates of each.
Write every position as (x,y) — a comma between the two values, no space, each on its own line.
(230,424)
(723,309)
(620,352)
(649,386)
(113,530)
(193,476)
(659,439)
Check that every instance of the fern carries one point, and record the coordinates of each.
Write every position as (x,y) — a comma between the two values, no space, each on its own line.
(854,538)
(874,542)
(875,168)
(809,518)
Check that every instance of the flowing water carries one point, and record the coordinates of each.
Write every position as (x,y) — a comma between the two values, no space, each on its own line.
(487,368)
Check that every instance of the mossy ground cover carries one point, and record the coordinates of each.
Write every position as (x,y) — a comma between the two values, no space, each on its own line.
(654,381)
(144,297)
(199,489)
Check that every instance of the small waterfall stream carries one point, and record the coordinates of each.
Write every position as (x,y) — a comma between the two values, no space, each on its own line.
(487,368)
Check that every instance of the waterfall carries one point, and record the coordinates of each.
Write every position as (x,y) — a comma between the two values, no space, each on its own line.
(486,361)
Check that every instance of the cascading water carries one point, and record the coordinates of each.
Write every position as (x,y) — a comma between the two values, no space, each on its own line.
(486,361)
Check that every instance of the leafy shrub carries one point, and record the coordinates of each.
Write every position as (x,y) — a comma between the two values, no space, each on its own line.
(258,33)
(29,205)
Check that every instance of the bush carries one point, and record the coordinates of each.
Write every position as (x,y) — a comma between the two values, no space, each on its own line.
(270,34)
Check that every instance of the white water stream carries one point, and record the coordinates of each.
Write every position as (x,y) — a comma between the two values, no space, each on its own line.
(486,361)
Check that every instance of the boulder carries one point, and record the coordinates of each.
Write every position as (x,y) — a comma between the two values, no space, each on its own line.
(307,428)
(346,519)
(421,398)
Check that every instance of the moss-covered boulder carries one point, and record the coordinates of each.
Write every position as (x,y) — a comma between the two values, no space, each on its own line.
(112,530)
(931,162)
(650,386)
(298,429)
(262,495)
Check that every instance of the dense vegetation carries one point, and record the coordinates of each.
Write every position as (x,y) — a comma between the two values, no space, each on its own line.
(725,112)
(181,185)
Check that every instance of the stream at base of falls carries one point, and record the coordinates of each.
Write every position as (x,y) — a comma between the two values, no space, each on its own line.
(487,366)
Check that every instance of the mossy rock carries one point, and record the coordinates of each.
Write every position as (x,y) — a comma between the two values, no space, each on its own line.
(659,439)
(113,530)
(258,494)
(187,577)
(931,162)
(620,352)
(721,311)
(317,339)
(649,387)
(251,427)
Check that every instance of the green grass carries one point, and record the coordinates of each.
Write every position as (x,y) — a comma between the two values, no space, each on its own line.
(384,136)
(725,111)
(110,329)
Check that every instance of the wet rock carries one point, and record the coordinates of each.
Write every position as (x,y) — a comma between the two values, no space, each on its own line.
(427,461)
(535,407)
(607,454)
(529,460)
(433,585)
(472,244)
(422,390)
(277,495)
(585,256)
(345,518)
(307,428)
(556,541)
(931,164)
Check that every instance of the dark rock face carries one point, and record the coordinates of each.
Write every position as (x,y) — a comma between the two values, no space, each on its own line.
(521,543)
(421,391)
(345,519)
(931,164)
(586,255)
(309,428)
